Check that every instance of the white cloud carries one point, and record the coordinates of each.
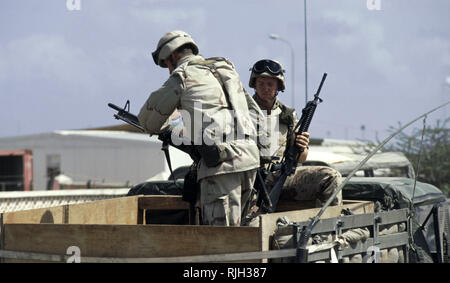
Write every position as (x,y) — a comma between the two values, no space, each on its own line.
(346,17)
(365,38)
(169,16)
(126,65)
(45,57)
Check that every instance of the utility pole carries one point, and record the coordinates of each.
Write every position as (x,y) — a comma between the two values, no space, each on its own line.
(306,54)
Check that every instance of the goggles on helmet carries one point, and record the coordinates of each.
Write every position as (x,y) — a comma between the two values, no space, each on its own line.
(267,65)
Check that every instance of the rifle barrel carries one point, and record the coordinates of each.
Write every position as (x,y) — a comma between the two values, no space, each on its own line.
(321,83)
(115,107)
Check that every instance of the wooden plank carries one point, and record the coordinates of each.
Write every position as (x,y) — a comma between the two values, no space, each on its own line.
(130,240)
(357,221)
(268,221)
(122,210)
(228,257)
(163,202)
(387,241)
(32,256)
(393,216)
(40,215)
(348,222)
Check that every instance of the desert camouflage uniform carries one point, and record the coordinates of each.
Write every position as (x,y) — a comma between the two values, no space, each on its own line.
(226,198)
(194,90)
(308,182)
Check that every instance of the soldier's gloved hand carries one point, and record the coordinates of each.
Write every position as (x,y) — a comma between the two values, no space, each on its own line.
(302,140)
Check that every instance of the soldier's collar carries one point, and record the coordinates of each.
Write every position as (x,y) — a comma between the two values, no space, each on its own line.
(276,104)
(188,58)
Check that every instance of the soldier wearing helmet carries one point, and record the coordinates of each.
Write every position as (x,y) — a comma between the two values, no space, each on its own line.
(210,89)
(308,182)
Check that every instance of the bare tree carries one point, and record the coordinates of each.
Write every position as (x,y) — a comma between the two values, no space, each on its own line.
(434,153)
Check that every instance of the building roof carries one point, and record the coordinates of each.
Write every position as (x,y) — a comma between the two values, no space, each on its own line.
(108,134)
(89,133)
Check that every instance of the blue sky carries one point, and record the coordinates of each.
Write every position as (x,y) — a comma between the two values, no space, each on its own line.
(59,68)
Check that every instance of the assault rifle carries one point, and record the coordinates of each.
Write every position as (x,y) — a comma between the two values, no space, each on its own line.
(125,115)
(190,185)
(292,153)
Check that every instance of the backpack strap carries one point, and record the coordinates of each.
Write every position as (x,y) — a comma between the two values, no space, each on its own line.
(210,64)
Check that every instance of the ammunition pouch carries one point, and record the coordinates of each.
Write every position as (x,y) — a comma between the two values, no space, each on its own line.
(213,155)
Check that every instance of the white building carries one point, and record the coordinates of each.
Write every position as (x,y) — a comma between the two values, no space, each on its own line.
(102,158)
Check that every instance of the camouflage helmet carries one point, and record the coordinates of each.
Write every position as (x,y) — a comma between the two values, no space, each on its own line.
(169,43)
(267,68)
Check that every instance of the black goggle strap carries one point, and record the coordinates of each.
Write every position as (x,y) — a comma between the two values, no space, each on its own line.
(267,65)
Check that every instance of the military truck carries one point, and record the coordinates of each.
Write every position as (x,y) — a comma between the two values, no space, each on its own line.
(386,216)
(409,223)
(383,219)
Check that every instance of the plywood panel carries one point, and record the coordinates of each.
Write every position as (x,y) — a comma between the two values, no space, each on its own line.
(41,215)
(130,240)
(123,210)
